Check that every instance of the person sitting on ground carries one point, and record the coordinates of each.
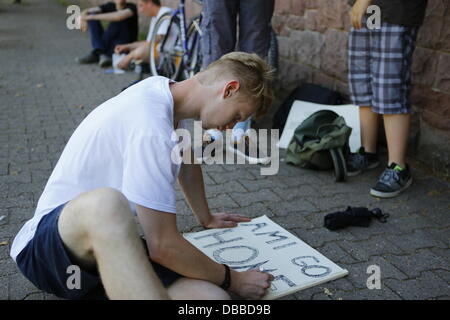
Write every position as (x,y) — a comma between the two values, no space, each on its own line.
(123,156)
(140,50)
(123,28)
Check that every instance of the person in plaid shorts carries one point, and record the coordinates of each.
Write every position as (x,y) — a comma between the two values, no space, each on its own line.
(380,61)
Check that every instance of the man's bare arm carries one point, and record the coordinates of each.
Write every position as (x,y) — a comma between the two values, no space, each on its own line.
(193,187)
(91,10)
(169,248)
(110,16)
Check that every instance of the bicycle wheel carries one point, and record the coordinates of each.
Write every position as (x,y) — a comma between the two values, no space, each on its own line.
(194,61)
(166,55)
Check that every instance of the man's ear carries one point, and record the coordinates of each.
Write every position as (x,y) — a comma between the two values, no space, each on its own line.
(231,88)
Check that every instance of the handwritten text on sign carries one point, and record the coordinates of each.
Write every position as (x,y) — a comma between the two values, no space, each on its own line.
(264,245)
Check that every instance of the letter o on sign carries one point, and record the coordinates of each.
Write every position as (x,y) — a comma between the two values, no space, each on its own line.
(240,251)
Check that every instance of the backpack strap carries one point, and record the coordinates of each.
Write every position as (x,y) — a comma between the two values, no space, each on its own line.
(340,167)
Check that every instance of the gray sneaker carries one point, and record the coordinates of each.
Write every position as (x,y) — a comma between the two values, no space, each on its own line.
(392,182)
(361,160)
(105,61)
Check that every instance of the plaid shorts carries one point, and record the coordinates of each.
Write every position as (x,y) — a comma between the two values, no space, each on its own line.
(380,67)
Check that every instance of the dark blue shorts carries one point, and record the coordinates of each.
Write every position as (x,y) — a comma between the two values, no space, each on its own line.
(45,262)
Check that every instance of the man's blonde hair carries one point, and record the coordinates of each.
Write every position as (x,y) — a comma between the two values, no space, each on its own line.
(255,77)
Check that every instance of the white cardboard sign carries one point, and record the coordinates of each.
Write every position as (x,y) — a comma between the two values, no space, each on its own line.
(262,244)
(301,110)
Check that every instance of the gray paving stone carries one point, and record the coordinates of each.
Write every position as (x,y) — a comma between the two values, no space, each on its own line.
(186,223)
(358,272)
(308,294)
(4,285)
(285,208)
(428,286)
(21,288)
(375,246)
(35,296)
(253,211)
(319,236)
(221,201)
(255,185)
(4,249)
(442,234)
(444,253)
(8,267)
(295,221)
(416,263)
(237,174)
(301,191)
(207,179)
(417,240)
(183,208)
(384,293)
(227,187)
(247,198)
(443,274)
(336,254)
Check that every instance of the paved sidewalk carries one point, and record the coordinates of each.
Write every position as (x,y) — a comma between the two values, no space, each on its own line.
(44,94)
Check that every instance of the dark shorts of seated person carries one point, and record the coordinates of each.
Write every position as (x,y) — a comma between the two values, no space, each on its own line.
(46,263)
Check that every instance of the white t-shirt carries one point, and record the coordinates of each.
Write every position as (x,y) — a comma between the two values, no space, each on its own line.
(163,27)
(125,143)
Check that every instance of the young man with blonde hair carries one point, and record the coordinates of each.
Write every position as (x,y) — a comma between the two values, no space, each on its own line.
(119,158)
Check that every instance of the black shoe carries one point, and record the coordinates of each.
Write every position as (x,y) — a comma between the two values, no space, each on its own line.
(360,161)
(392,182)
(89,58)
(105,61)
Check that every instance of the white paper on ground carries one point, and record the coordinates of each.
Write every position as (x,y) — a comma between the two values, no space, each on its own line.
(301,110)
(262,244)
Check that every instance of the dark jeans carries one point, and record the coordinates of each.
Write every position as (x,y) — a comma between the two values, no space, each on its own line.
(220,24)
(104,41)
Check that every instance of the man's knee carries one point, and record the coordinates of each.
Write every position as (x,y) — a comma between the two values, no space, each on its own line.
(193,289)
(103,208)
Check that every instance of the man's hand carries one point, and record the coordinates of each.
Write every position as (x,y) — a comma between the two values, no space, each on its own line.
(225,220)
(121,48)
(251,284)
(358,11)
(83,23)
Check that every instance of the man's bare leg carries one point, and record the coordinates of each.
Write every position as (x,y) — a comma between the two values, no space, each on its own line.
(369,128)
(397,133)
(98,229)
(192,289)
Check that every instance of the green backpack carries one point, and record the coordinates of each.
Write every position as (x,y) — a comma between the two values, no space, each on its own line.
(320,142)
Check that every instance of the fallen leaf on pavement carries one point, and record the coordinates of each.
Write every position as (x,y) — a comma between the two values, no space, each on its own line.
(40,85)
(79,106)
(4,243)
(327,292)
